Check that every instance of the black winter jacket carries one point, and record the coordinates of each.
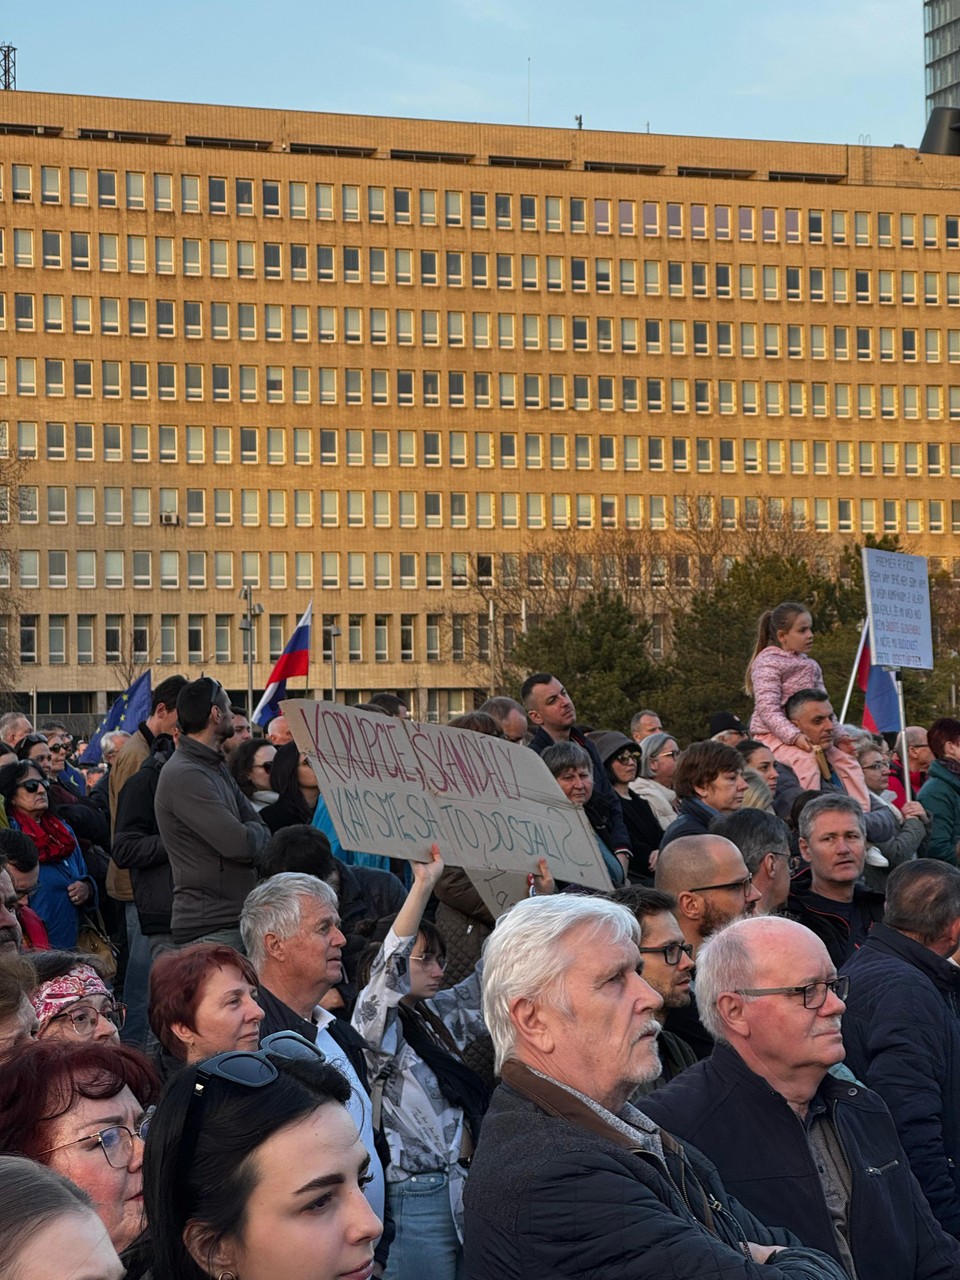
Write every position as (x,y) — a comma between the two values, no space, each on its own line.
(902,1032)
(761,1152)
(693,819)
(840,938)
(556,1200)
(137,846)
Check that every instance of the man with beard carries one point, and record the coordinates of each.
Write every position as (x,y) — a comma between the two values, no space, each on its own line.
(792,1142)
(667,967)
(211,832)
(712,886)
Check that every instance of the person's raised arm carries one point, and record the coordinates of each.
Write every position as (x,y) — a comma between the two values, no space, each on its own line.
(425,876)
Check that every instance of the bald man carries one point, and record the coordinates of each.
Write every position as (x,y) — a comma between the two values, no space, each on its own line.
(792,1142)
(710,881)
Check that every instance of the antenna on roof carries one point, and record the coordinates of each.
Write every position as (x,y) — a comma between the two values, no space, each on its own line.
(8,66)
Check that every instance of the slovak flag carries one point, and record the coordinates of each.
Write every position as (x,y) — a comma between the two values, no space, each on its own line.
(294,661)
(881,708)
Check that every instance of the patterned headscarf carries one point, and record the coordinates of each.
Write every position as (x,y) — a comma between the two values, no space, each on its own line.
(57,995)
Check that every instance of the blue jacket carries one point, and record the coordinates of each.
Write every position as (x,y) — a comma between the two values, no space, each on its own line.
(50,901)
(902,1033)
(693,819)
(761,1152)
(553,1195)
(940,796)
(603,810)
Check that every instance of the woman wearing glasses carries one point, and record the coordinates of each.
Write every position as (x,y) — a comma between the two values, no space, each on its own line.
(432,1102)
(81,1109)
(255,1170)
(654,781)
(620,756)
(48,1228)
(297,788)
(65,886)
(912,821)
(250,764)
(71,999)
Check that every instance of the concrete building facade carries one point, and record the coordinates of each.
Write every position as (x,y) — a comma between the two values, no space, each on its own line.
(376,362)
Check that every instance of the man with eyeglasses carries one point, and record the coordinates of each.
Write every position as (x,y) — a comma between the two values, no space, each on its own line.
(828,897)
(211,832)
(901,1026)
(667,967)
(815,1152)
(764,841)
(712,886)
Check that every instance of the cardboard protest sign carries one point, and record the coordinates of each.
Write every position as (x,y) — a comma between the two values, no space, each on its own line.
(898,606)
(500,890)
(394,787)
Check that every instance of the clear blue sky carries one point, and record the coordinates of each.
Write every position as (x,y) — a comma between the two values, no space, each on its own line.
(820,71)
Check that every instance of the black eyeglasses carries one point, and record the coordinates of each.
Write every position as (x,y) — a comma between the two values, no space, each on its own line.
(252,1068)
(814,993)
(671,951)
(34,784)
(743,885)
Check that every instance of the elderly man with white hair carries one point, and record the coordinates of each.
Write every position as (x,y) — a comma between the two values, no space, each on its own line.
(793,1142)
(568,1179)
(290,927)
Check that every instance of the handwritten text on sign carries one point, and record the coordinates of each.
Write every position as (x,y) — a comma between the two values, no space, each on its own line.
(898,605)
(395,787)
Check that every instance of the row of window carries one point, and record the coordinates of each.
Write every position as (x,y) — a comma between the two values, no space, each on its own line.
(429,268)
(146,569)
(504,211)
(456,449)
(432,389)
(160,638)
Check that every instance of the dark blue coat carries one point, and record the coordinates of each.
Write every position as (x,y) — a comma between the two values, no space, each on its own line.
(902,1033)
(761,1152)
(550,1199)
(693,819)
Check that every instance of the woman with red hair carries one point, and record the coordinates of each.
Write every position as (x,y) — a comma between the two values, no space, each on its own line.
(81,1109)
(203,1002)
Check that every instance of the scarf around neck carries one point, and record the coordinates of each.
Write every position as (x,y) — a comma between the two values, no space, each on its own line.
(53,839)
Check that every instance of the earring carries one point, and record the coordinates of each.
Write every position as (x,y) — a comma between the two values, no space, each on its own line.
(226,1275)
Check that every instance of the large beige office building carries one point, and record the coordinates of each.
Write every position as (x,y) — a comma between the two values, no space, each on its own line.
(375,362)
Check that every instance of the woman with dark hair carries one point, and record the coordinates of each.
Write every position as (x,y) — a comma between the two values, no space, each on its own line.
(71,999)
(80,1109)
(432,1102)
(255,1170)
(48,1227)
(250,764)
(65,885)
(297,788)
(203,1001)
(940,794)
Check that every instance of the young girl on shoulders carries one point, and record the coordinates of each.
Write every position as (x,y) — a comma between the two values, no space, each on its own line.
(780,667)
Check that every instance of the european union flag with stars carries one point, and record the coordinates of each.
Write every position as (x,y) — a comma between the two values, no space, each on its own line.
(126,713)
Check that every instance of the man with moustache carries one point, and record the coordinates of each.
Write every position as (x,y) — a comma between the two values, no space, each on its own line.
(569,1180)
(796,1145)
(211,832)
(667,967)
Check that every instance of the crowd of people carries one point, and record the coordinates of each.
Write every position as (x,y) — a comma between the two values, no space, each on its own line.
(232,1048)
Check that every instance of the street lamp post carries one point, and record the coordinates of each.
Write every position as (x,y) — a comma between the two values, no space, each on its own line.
(247,625)
(333,631)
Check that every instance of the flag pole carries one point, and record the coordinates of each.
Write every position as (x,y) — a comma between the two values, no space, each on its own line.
(856,667)
(904,749)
